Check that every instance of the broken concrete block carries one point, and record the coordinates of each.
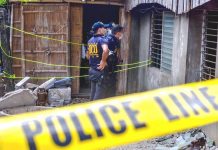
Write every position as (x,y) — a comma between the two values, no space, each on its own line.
(59,96)
(20,84)
(58,103)
(66,82)
(31,86)
(2,114)
(46,85)
(19,110)
(21,97)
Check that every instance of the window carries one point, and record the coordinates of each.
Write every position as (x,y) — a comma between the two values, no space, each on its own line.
(162,40)
(209,46)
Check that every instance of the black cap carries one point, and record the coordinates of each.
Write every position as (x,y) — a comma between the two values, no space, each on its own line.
(117,28)
(97,25)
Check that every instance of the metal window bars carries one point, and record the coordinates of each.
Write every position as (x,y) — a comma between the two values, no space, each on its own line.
(161,42)
(209,45)
(156,38)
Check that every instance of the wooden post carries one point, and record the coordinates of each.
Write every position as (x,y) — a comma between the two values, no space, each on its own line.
(22,42)
(76,37)
(68,39)
(125,20)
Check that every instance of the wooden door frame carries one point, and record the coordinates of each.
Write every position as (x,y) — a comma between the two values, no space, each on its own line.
(125,21)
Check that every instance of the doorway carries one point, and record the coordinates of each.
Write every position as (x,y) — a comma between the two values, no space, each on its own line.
(91,14)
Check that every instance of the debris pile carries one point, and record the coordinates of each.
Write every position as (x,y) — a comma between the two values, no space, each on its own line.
(189,140)
(31,97)
(22,97)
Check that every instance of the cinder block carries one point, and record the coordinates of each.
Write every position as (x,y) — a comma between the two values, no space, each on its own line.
(59,96)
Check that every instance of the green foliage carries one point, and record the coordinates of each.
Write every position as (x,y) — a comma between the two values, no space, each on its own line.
(2,2)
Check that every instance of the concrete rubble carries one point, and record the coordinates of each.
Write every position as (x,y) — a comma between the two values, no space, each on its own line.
(22,97)
(46,85)
(190,140)
(59,96)
(26,97)
(21,84)
(66,82)
(31,86)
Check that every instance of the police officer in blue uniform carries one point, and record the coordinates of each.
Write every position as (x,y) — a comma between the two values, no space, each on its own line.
(113,58)
(98,53)
(109,27)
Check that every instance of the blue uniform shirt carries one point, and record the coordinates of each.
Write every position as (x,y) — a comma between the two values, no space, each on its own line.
(95,50)
(113,45)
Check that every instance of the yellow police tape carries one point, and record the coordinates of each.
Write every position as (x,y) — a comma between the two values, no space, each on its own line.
(13,76)
(43,37)
(115,121)
(59,65)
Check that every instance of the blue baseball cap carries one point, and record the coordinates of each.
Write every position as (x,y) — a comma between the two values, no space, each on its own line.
(109,25)
(97,25)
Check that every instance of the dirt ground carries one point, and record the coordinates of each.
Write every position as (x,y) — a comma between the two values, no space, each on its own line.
(144,145)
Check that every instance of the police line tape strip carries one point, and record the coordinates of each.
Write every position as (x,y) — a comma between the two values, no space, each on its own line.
(13,76)
(67,42)
(114,121)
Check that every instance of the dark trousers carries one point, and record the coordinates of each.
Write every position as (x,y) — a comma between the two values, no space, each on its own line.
(98,86)
(111,91)
(111,81)
(97,91)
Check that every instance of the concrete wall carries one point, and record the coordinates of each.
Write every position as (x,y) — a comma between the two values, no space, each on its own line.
(155,78)
(144,41)
(133,53)
(147,78)
(194,46)
(180,49)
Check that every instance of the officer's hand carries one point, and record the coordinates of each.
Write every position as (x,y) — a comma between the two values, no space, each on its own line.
(102,65)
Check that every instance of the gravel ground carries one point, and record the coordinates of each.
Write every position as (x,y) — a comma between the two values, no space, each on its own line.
(144,145)
(79,100)
(173,142)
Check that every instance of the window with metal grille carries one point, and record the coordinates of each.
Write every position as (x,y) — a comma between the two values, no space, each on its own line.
(209,45)
(162,40)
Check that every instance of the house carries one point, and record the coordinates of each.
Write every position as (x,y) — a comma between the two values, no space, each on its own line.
(180,37)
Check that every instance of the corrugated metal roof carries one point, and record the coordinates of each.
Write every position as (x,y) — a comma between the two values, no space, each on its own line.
(104,2)
(177,6)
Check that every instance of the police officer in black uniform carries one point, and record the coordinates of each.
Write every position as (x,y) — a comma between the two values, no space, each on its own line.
(98,53)
(113,58)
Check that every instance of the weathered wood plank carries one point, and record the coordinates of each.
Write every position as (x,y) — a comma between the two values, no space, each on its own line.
(22,43)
